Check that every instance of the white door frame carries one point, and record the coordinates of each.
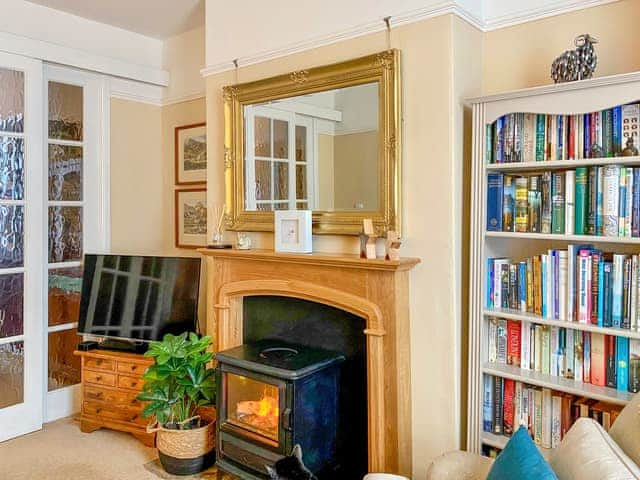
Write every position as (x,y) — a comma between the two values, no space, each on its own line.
(27,417)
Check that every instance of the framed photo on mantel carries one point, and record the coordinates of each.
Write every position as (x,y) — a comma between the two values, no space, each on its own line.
(191,154)
(191,218)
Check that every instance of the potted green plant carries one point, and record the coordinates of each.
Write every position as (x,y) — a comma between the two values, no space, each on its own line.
(175,387)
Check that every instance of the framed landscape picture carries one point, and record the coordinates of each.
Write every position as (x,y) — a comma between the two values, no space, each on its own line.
(191,154)
(191,218)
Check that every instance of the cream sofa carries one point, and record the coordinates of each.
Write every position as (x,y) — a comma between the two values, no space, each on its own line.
(587,452)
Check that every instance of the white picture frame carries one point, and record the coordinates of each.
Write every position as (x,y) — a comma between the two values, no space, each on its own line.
(293,231)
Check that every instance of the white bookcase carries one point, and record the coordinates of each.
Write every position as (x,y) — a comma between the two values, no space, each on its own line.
(572,98)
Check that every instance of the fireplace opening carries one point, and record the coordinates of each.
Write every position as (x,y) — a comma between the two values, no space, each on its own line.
(315,325)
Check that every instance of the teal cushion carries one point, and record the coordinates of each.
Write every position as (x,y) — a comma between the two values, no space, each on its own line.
(521,460)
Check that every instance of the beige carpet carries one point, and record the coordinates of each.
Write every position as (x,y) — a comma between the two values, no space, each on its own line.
(60,451)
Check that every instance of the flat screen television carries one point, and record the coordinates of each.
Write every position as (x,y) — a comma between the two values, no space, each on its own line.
(139,298)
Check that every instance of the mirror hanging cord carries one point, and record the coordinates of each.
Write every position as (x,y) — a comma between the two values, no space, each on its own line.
(235,65)
(387,23)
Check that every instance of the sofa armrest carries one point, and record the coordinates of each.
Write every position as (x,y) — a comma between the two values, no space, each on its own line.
(459,466)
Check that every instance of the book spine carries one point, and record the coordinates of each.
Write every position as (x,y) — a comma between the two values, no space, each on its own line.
(522,285)
(501,342)
(622,356)
(630,124)
(529,283)
(607,133)
(595,265)
(601,293)
(557,215)
(586,358)
(599,209)
(546,417)
(546,350)
(555,283)
(540,138)
(504,284)
(560,138)
(525,342)
(556,420)
(508,406)
(635,204)
(634,365)
(546,203)
(607,316)
(514,293)
(562,283)
(611,361)
(569,211)
(617,286)
(522,204)
(622,201)
(610,200)
(626,294)
(487,404)
(592,185)
(492,340)
(513,342)
(494,202)
(498,386)
(545,288)
(587,136)
(569,351)
(629,199)
(535,204)
(508,204)
(584,286)
(580,200)
(554,349)
(518,406)
(537,284)
(571,137)
(578,356)
(537,417)
(617,130)
(498,138)
(598,360)
(537,349)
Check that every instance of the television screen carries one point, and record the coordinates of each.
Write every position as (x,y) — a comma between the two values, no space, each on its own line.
(138,297)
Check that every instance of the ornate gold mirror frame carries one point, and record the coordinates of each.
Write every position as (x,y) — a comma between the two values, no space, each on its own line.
(383,68)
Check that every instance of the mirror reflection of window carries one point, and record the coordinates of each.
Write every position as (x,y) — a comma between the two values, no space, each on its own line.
(317,151)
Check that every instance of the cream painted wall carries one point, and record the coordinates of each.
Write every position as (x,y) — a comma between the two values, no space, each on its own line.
(325,171)
(183,56)
(521,56)
(355,170)
(432,196)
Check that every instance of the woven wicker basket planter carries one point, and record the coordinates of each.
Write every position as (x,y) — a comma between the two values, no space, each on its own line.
(185,452)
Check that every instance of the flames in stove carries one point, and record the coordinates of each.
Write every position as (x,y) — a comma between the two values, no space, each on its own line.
(261,415)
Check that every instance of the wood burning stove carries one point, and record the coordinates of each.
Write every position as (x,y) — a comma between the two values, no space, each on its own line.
(271,396)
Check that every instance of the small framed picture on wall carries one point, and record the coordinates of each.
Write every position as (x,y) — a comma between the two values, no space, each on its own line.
(191,217)
(191,154)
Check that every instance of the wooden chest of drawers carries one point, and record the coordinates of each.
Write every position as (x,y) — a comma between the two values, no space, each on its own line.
(110,383)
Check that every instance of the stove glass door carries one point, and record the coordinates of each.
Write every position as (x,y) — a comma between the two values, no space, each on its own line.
(253,405)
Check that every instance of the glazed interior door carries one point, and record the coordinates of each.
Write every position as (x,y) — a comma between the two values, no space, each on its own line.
(21,248)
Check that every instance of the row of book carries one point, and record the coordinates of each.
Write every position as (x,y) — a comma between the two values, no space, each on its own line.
(598,200)
(581,284)
(548,414)
(530,137)
(588,357)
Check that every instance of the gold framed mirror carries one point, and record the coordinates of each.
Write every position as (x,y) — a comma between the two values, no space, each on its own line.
(325,139)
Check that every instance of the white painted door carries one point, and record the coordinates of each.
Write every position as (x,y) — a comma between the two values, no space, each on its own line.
(21,248)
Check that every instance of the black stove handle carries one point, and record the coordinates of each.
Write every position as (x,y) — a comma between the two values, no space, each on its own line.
(286,419)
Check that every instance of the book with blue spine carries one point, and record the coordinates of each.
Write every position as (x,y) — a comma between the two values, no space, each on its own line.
(508,203)
(487,404)
(488,146)
(617,287)
(498,140)
(617,130)
(607,133)
(587,135)
(490,282)
(622,357)
(522,285)
(495,186)
(560,138)
(540,137)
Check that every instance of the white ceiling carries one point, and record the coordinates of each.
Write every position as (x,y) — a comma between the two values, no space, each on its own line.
(153,18)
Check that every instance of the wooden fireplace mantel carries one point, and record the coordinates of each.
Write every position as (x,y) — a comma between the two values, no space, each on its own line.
(375,290)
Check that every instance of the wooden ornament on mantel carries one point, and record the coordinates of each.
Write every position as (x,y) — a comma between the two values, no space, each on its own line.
(392,245)
(368,239)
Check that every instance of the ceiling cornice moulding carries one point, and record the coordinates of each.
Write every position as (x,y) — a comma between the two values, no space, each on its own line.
(485,23)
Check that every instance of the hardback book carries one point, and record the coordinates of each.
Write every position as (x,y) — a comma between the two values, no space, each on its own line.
(611,361)
(599,209)
(569,205)
(628,212)
(635,204)
(630,123)
(595,286)
(592,203)
(610,200)
(509,390)
(616,132)
(529,137)
(607,317)
(626,294)
(498,390)
(522,204)
(557,213)
(572,262)
(547,417)
(551,137)
(562,284)
(498,265)
(508,203)
(525,342)
(587,135)
(501,342)
(529,284)
(513,342)
(622,356)
(580,136)
(598,359)
(547,201)
(584,286)
(522,286)
(634,365)
(561,146)
(607,133)
(514,291)
(586,357)
(535,204)
(633,310)
(487,404)
(617,288)
(571,137)
(504,284)
(499,140)
(545,290)
(556,419)
(581,200)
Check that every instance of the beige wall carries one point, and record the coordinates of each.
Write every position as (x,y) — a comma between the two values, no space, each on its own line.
(325,172)
(432,196)
(142,177)
(355,170)
(183,57)
(521,56)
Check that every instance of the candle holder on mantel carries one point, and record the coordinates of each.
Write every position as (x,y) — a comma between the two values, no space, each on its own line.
(217,241)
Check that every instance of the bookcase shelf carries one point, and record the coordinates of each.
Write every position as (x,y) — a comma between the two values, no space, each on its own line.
(574,99)
(560,384)
(561,164)
(500,441)
(585,327)
(564,238)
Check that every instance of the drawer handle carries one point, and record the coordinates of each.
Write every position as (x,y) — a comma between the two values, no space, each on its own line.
(133,418)
(98,410)
(98,378)
(133,384)
(95,395)
(134,402)
(99,361)
(134,368)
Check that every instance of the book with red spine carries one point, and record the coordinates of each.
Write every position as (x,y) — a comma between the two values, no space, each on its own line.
(508,406)
(514,332)
(566,417)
